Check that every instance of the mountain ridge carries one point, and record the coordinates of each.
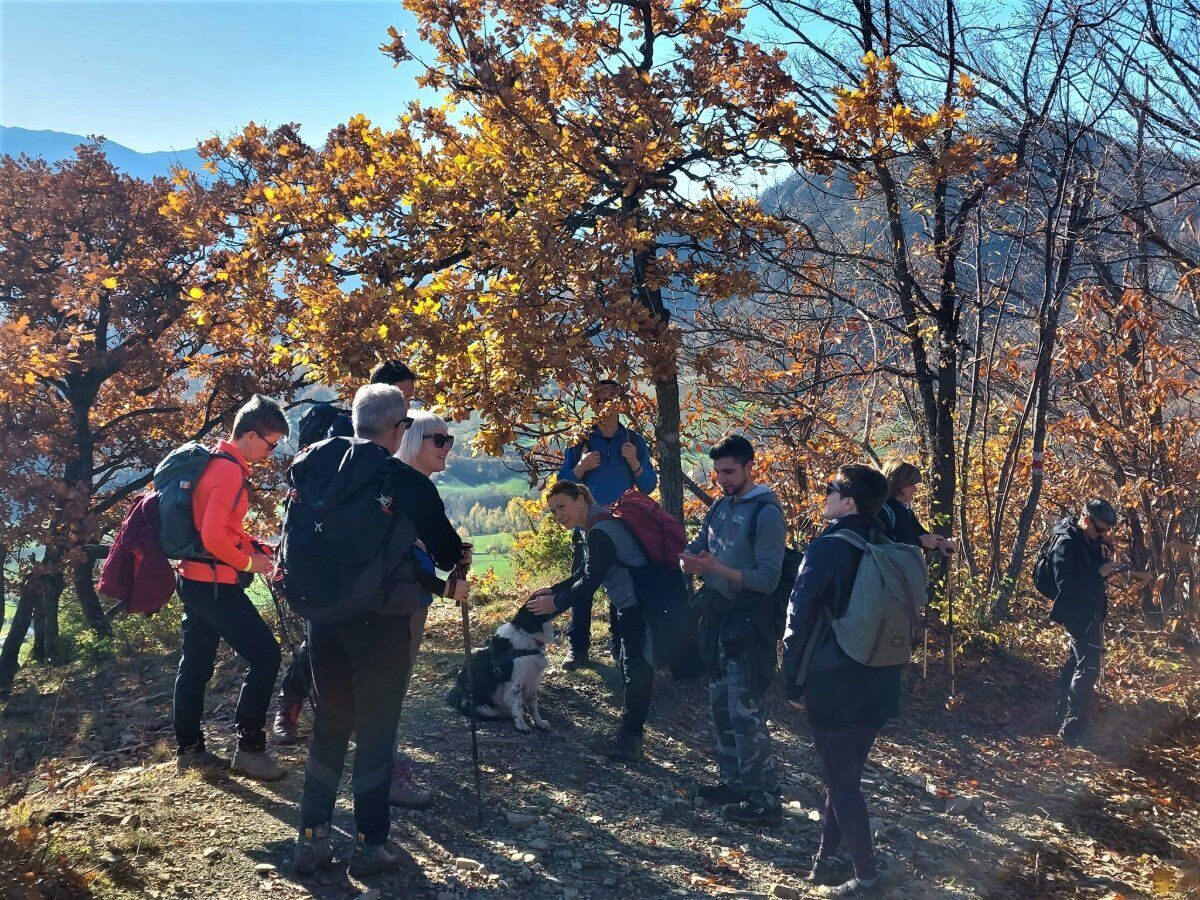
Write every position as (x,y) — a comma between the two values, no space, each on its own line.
(55,146)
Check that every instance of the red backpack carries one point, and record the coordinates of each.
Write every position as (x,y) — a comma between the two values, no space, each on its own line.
(661,535)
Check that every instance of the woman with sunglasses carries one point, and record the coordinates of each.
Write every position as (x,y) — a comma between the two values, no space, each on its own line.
(425,447)
(897,516)
(847,702)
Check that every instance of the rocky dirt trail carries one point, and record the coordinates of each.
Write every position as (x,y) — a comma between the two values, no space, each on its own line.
(974,801)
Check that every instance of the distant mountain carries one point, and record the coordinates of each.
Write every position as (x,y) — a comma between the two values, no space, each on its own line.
(54,146)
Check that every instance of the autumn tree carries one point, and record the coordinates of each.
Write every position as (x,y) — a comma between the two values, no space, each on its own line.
(558,218)
(931,122)
(102,370)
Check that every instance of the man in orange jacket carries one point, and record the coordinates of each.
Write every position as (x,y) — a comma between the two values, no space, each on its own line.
(215,604)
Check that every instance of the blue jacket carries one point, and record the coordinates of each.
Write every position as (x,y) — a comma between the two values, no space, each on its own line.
(825,580)
(612,477)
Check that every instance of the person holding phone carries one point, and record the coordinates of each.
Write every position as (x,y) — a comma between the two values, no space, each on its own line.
(1081,562)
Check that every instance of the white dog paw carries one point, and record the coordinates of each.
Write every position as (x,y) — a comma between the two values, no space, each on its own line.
(522,727)
(542,724)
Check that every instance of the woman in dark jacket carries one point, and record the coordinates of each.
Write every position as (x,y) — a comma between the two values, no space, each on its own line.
(899,522)
(605,551)
(847,702)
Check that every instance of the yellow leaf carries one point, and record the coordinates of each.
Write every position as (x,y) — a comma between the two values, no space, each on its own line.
(110,283)
(1163,880)
(196,293)
(269,193)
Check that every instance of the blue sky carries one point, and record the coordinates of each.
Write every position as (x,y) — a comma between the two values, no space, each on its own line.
(162,74)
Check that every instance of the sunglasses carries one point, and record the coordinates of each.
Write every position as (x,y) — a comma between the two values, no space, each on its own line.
(271,444)
(1105,530)
(406,422)
(440,440)
(833,488)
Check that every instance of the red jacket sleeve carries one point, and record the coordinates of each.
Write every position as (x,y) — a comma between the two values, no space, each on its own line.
(221,528)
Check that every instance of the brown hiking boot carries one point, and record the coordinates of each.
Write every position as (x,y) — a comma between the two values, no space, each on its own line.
(405,791)
(575,661)
(257,764)
(374,859)
(200,761)
(313,851)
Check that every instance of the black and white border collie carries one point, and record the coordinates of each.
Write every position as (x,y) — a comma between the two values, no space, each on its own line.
(507,672)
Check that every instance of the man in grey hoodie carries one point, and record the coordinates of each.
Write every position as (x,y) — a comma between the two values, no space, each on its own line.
(738,555)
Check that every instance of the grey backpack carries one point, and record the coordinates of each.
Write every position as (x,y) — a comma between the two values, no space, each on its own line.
(883,614)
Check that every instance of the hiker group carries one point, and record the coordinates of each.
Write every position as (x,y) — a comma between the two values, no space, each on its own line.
(365,534)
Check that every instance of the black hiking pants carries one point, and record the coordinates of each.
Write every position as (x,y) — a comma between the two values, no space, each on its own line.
(1080,671)
(359,668)
(296,684)
(637,672)
(843,753)
(212,613)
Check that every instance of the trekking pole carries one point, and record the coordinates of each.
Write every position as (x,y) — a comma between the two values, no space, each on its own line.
(460,572)
(284,629)
(925,649)
(950,616)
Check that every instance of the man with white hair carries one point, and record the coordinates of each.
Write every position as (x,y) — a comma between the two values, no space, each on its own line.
(360,646)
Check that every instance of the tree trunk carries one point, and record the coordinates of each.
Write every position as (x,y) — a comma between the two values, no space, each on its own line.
(3,584)
(49,588)
(10,653)
(666,432)
(83,576)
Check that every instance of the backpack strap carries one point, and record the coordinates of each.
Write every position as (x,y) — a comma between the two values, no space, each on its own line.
(209,559)
(822,623)
(603,516)
(845,534)
(891,515)
(245,489)
(758,508)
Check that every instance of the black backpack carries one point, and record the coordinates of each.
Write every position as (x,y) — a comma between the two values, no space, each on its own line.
(662,594)
(1043,568)
(315,423)
(781,597)
(345,546)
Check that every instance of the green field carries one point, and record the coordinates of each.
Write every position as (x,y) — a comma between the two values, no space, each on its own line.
(500,561)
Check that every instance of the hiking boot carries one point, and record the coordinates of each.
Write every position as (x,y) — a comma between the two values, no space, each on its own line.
(1074,732)
(405,791)
(574,661)
(287,723)
(374,859)
(313,851)
(621,745)
(830,871)
(748,813)
(720,793)
(855,887)
(257,764)
(200,761)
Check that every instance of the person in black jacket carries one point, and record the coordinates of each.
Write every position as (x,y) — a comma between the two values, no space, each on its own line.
(1080,561)
(296,686)
(847,702)
(899,521)
(360,663)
